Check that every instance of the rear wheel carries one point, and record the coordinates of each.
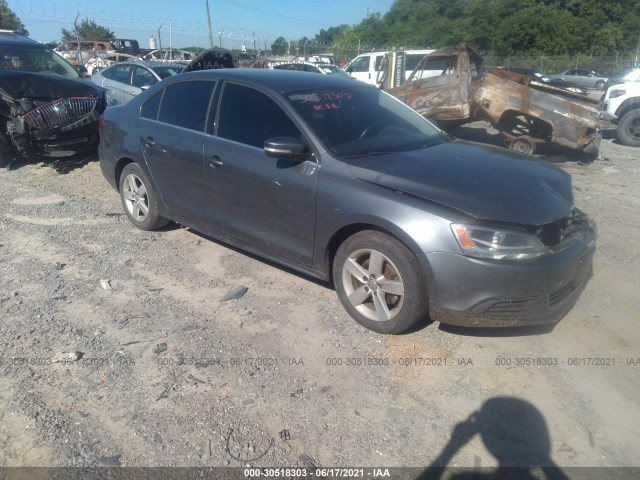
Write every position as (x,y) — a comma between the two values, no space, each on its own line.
(629,128)
(523,144)
(379,282)
(139,199)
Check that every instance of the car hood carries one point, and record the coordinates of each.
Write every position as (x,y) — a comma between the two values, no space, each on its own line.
(16,85)
(485,182)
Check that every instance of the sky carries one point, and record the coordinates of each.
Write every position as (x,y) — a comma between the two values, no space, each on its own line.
(184,24)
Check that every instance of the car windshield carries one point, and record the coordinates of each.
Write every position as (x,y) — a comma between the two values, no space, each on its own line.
(356,121)
(166,72)
(35,60)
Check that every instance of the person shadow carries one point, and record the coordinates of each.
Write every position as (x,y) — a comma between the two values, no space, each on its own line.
(513,431)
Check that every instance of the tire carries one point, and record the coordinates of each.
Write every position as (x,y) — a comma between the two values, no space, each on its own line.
(6,152)
(139,199)
(523,144)
(629,129)
(600,84)
(388,295)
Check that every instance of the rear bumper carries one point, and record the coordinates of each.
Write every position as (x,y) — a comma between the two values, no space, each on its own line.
(471,292)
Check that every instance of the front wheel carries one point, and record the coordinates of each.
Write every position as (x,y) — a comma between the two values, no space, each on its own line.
(6,152)
(629,128)
(600,84)
(139,199)
(379,282)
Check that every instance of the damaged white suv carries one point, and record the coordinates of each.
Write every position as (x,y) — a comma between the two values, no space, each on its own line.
(622,106)
(46,108)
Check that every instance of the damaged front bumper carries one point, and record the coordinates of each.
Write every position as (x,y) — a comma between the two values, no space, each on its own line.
(63,127)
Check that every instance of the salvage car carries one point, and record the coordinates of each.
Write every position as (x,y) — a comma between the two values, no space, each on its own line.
(125,80)
(341,181)
(527,112)
(46,108)
(78,52)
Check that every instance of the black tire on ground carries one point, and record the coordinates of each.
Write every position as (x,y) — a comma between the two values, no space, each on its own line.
(600,84)
(629,128)
(6,152)
(379,282)
(139,199)
(523,144)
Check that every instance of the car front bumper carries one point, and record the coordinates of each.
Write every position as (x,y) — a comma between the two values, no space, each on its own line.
(471,292)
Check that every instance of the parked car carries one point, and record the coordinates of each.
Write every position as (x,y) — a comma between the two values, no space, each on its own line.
(125,80)
(546,78)
(629,74)
(171,55)
(304,66)
(621,106)
(341,181)
(78,52)
(46,108)
(583,78)
(95,64)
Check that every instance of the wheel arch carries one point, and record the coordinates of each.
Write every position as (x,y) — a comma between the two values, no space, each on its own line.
(625,107)
(349,230)
(123,162)
(507,118)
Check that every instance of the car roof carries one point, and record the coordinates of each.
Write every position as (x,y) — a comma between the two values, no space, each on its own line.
(8,37)
(279,80)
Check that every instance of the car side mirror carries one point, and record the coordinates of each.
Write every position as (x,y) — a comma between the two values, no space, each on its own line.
(286,148)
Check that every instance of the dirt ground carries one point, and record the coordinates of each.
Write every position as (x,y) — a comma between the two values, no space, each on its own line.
(116,349)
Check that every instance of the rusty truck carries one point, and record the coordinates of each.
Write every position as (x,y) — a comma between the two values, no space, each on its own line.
(527,112)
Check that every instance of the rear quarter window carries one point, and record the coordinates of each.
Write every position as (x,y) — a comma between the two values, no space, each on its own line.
(151,106)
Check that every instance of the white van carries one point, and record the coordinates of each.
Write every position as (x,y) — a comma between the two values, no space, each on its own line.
(366,67)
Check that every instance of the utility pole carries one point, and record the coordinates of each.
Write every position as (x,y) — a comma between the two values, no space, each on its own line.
(209,22)
(160,41)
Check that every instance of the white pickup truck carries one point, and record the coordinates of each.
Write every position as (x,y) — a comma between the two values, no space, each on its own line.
(622,106)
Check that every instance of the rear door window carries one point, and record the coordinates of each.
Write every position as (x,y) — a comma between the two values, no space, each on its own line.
(185,104)
(119,73)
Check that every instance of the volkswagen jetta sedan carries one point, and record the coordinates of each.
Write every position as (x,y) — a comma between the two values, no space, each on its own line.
(341,181)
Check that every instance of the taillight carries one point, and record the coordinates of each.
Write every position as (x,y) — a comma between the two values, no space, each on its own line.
(100,124)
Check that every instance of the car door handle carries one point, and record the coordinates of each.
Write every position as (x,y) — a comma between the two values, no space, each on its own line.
(215,162)
(132,92)
(149,142)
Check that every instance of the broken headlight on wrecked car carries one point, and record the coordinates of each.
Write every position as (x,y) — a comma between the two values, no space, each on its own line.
(497,243)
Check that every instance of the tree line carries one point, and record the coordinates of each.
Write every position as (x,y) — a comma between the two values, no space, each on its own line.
(498,27)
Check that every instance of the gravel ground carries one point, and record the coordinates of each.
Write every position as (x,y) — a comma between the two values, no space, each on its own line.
(117,348)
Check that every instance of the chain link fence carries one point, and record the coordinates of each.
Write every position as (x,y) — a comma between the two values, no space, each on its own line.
(45,23)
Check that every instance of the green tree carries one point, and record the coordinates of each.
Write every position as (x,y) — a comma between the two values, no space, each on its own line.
(9,20)
(325,38)
(88,30)
(279,46)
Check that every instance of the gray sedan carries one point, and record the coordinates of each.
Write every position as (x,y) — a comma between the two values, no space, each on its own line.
(341,181)
(583,78)
(125,80)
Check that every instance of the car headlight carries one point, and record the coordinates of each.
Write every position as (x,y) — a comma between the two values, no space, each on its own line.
(497,243)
